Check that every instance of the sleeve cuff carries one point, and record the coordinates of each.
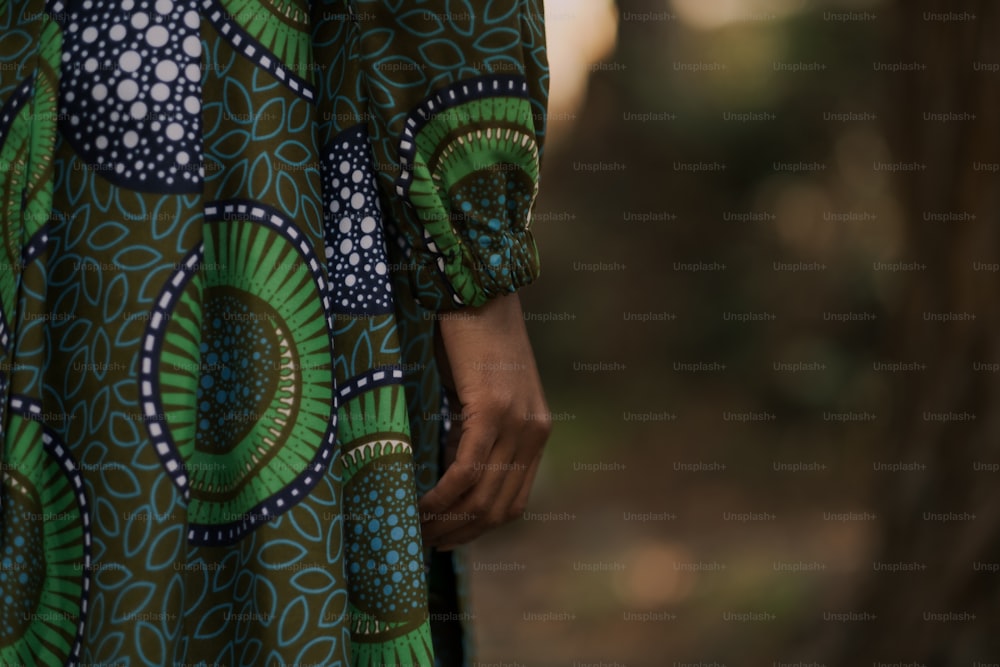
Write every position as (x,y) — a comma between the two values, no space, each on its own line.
(469,167)
(470,272)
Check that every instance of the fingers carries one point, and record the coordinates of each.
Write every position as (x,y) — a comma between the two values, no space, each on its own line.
(500,492)
(438,506)
(488,505)
(523,494)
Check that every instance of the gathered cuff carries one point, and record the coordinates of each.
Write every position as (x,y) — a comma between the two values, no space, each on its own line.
(469,273)
(468,178)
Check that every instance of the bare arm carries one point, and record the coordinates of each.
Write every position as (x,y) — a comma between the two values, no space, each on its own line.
(502,423)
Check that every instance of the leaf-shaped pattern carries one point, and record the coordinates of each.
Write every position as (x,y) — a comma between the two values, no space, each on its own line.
(281,554)
(137,258)
(499,40)
(107,235)
(422,22)
(294,620)
(132,600)
(213,621)
(442,53)
(150,642)
(314,580)
(152,309)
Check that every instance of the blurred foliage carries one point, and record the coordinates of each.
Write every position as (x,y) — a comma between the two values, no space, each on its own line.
(580,220)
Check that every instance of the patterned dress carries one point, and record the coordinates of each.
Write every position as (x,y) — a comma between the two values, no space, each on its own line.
(226,230)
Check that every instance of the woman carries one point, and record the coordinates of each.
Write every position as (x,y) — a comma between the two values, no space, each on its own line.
(245,245)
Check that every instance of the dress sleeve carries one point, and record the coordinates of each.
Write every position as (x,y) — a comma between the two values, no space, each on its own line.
(457,91)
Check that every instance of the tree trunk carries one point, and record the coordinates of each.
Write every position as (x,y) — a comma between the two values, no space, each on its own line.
(946,416)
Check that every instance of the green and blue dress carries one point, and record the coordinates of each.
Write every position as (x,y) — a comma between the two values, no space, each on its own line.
(226,230)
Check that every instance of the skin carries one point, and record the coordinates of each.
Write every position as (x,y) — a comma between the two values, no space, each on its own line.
(500,423)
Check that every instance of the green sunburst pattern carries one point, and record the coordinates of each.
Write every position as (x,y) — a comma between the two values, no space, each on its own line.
(42,556)
(256,355)
(282,26)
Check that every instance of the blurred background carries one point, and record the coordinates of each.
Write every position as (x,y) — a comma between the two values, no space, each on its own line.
(767,325)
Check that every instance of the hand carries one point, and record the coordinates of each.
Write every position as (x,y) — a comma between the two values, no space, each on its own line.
(500,422)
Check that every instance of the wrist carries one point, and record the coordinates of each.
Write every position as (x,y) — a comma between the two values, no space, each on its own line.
(501,313)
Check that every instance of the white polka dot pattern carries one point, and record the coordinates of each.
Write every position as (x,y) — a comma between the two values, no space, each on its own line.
(130,93)
(355,245)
